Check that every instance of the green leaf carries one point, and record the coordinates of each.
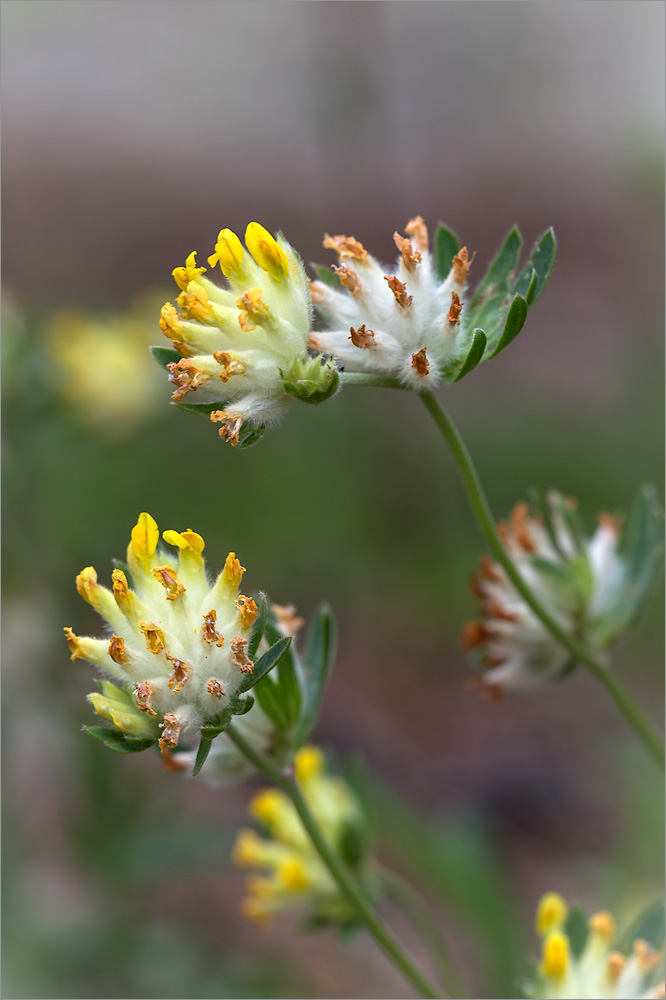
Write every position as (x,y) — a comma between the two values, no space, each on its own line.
(542,260)
(290,690)
(497,279)
(249,434)
(576,929)
(514,323)
(268,695)
(527,284)
(120,742)
(202,754)
(648,926)
(203,409)
(258,628)
(316,666)
(165,355)
(474,354)
(270,658)
(326,276)
(447,246)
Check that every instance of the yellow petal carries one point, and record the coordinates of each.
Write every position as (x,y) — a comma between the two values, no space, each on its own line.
(551,913)
(267,253)
(229,252)
(145,536)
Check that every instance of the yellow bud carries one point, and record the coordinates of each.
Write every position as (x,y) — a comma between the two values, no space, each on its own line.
(267,805)
(123,716)
(145,536)
(551,912)
(183,275)
(555,955)
(121,591)
(267,253)
(293,875)
(229,252)
(86,584)
(74,644)
(233,571)
(602,924)
(186,541)
(308,763)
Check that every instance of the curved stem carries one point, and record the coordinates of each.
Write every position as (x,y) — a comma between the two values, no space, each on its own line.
(347,884)
(484,517)
(418,910)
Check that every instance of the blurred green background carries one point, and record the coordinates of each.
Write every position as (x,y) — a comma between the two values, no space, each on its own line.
(132,132)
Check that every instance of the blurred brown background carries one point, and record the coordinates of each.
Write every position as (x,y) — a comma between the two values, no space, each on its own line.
(132,132)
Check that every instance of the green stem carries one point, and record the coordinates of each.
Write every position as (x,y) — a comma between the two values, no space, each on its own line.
(484,517)
(347,884)
(418,910)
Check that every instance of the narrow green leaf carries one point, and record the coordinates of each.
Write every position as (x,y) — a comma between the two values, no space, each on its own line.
(119,742)
(474,354)
(203,409)
(497,279)
(270,658)
(287,680)
(268,695)
(258,628)
(326,276)
(202,754)
(514,323)
(316,666)
(447,246)
(648,926)
(543,259)
(165,355)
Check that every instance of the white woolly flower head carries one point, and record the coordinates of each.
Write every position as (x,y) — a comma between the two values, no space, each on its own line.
(181,654)
(579,962)
(240,352)
(417,320)
(594,587)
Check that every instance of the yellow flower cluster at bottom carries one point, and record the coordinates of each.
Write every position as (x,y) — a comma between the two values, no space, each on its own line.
(598,971)
(293,876)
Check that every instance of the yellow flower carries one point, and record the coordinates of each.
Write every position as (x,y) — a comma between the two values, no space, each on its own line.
(294,876)
(178,652)
(243,348)
(595,971)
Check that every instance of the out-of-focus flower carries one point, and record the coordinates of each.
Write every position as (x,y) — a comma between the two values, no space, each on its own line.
(294,877)
(180,654)
(593,587)
(416,321)
(591,969)
(243,349)
(101,367)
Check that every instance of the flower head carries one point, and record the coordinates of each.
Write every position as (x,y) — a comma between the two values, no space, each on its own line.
(592,586)
(293,876)
(591,969)
(180,654)
(417,321)
(241,351)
